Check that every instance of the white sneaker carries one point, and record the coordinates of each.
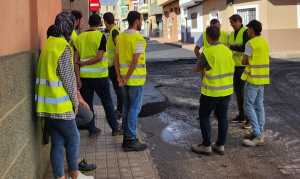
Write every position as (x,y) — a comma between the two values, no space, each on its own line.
(201,149)
(256,141)
(82,176)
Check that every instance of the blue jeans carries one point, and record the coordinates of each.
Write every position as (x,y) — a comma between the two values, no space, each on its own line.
(254,107)
(64,136)
(133,99)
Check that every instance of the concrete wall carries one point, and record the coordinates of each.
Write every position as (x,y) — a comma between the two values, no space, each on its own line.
(23,32)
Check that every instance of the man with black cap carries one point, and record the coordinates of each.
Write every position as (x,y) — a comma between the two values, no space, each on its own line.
(256,76)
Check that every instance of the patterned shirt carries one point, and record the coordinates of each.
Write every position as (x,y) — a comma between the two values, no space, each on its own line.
(65,71)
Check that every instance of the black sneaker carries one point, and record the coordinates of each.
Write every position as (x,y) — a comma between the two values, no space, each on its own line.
(83,166)
(95,133)
(117,133)
(133,145)
(237,119)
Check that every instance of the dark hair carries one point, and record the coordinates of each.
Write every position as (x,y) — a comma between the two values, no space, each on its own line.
(64,23)
(213,33)
(214,21)
(95,20)
(108,17)
(53,31)
(132,17)
(256,26)
(236,17)
(77,14)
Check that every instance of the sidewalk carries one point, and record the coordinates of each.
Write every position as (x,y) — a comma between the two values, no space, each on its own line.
(106,152)
(159,50)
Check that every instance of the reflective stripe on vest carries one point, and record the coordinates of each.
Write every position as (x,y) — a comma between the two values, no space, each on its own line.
(137,65)
(47,100)
(218,80)
(50,94)
(237,56)
(219,76)
(40,81)
(87,44)
(256,76)
(93,70)
(218,87)
(130,40)
(258,70)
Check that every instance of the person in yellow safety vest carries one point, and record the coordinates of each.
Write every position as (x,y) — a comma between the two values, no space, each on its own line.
(113,30)
(56,97)
(202,41)
(216,89)
(237,41)
(77,26)
(256,75)
(91,46)
(130,66)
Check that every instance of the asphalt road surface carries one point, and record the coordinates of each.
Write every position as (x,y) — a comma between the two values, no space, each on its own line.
(171,133)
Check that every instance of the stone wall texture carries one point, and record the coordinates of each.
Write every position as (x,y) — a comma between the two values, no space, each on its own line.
(23,32)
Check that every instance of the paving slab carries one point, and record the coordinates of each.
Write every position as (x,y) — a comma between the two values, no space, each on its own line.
(106,152)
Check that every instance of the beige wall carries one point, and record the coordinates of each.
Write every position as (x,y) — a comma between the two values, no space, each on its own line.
(282,15)
(25,24)
(279,19)
(225,11)
(23,31)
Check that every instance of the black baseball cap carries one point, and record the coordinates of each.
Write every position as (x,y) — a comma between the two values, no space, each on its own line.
(256,26)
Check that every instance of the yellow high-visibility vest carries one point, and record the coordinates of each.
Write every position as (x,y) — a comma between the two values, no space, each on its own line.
(126,46)
(74,36)
(258,70)
(50,95)
(87,44)
(218,80)
(111,47)
(222,39)
(237,56)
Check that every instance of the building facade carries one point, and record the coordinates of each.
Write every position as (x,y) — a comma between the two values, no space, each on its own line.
(155,19)
(112,6)
(143,8)
(22,154)
(171,20)
(191,20)
(280,19)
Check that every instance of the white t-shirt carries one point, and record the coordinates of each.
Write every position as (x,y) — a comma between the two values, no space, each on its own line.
(199,42)
(248,50)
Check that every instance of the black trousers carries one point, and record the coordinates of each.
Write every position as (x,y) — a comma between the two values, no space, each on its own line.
(118,90)
(239,91)
(101,87)
(220,106)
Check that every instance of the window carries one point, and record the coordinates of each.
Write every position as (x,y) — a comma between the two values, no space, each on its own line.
(247,13)
(194,20)
(214,15)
